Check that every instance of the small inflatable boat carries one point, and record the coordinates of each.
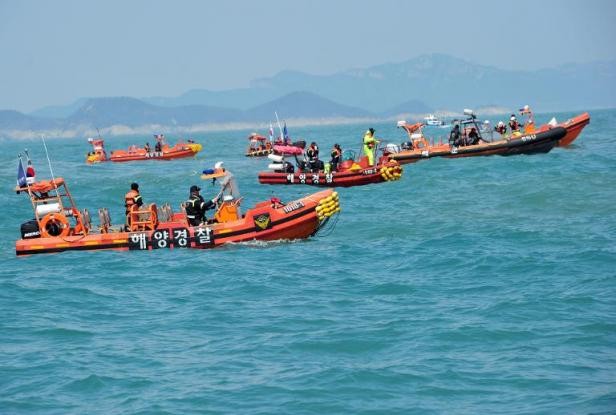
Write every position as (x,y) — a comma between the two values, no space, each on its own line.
(351,172)
(163,151)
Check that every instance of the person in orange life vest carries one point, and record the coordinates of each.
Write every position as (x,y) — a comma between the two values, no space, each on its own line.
(132,197)
(514,125)
(336,154)
(529,125)
(196,206)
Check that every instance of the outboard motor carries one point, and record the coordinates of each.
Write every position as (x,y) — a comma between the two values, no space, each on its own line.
(30,230)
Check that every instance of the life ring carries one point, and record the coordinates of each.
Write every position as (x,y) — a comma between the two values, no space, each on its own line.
(54,225)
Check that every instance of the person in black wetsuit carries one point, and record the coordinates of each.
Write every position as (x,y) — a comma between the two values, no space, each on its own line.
(196,206)
(454,135)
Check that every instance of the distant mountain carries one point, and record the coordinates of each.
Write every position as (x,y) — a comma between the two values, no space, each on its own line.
(412,106)
(104,112)
(110,113)
(444,81)
(305,105)
(15,120)
(59,111)
(234,98)
(417,86)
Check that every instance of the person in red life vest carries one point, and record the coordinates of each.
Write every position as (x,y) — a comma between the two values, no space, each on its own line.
(501,128)
(514,125)
(336,154)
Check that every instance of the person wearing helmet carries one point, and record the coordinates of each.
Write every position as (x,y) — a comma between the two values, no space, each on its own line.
(514,125)
(501,128)
(529,125)
(196,206)
(370,145)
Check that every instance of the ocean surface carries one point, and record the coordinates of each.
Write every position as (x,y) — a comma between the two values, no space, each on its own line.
(484,285)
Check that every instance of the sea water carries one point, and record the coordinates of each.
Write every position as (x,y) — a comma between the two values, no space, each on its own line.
(479,285)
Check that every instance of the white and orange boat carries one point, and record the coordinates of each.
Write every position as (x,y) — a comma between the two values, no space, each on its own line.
(59,226)
(258,146)
(529,140)
(162,151)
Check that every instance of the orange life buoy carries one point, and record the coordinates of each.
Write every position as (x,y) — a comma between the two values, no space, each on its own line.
(54,223)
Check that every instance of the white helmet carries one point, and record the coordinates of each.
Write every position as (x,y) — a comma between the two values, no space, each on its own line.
(219,165)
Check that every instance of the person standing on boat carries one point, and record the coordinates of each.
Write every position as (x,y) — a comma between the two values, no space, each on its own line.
(312,155)
(370,145)
(147,147)
(501,128)
(514,125)
(196,206)
(529,125)
(336,154)
(454,134)
(132,198)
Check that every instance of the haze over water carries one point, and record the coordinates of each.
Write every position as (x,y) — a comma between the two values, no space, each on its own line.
(480,285)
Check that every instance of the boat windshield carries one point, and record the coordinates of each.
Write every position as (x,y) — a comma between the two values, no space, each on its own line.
(348,155)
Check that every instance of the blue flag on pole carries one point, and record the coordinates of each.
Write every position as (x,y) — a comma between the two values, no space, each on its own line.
(21,175)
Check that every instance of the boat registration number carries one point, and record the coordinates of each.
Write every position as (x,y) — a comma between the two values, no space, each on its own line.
(292,207)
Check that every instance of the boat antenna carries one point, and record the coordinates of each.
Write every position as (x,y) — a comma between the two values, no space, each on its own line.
(99,132)
(279,127)
(53,179)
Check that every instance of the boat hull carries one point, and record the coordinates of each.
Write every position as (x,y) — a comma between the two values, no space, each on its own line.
(176,152)
(295,220)
(259,153)
(348,178)
(574,127)
(540,142)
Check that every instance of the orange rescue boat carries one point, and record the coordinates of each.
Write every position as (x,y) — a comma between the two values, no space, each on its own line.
(59,226)
(162,151)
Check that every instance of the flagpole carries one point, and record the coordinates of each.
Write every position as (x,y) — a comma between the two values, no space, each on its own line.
(22,168)
(53,179)
(280,128)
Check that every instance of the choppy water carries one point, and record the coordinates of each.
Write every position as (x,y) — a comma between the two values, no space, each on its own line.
(481,285)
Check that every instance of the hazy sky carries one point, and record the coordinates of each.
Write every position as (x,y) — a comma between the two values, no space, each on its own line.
(53,52)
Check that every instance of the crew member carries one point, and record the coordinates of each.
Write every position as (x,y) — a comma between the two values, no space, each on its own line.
(336,154)
(370,145)
(132,197)
(454,134)
(147,147)
(501,128)
(196,206)
(473,137)
(514,125)
(312,155)
(529,125)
